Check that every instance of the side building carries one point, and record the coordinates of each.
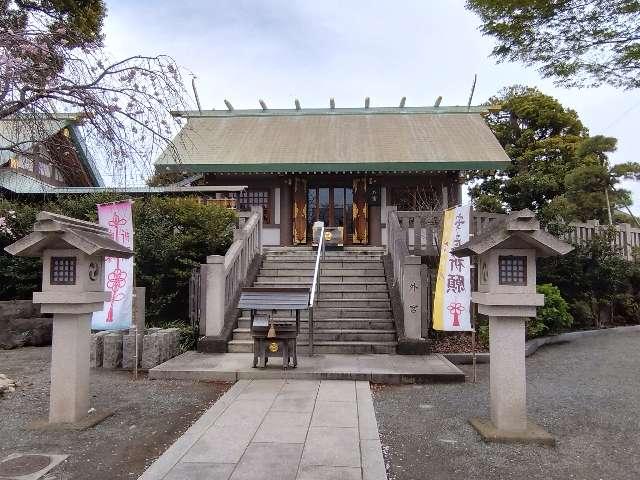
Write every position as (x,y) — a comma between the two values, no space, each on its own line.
(343,166)
(53,157)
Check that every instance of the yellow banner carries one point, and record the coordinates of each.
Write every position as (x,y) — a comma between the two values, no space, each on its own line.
(452,300)
(445,246)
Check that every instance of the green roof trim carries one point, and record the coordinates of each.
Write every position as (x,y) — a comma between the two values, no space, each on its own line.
(333,167)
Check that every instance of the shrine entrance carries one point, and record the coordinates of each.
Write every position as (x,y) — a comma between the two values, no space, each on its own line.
(333,206)
(336,203)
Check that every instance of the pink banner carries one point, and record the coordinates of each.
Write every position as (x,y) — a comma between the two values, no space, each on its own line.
(118,311)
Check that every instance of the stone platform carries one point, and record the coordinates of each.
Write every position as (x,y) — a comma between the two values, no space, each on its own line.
(280,429)
(377,368)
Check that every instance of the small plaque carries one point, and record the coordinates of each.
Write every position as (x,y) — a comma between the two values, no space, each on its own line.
(333,236)
(260,322)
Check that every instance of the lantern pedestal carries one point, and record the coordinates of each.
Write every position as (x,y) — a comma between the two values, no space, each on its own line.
(69,396)
(508,385)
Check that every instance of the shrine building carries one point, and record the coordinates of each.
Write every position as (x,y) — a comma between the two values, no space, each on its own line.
(343,166)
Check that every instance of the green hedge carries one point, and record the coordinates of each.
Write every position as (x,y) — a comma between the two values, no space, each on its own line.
(172,236)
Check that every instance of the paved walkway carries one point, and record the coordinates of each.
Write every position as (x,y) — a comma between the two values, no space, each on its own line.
(279,429)
(377,368)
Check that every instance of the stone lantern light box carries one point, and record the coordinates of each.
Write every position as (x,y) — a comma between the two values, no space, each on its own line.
(506,258)
(73,253)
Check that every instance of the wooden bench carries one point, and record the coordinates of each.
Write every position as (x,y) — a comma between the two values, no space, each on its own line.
(286,332)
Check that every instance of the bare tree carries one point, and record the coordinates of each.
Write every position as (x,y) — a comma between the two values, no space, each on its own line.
(53,66)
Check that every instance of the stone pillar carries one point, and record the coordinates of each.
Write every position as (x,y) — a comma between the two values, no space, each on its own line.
(212,295)
(151,351)
(112,352)
(97,348)
(129,350)
(69,395)
(411,288)
(139,309)
(507,373)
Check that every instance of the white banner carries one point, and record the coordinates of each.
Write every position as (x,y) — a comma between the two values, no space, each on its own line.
(118,272)
(452,301)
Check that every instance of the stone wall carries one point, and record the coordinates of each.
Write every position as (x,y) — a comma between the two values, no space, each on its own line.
(117,349)
(21,325)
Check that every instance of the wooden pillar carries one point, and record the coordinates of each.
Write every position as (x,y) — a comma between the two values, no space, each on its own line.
(286,215)
(375,226)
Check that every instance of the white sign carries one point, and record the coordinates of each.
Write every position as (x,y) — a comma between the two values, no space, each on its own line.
(118,272)
(452,301)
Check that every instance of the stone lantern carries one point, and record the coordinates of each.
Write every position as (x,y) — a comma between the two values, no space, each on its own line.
(73,253)
(506,293)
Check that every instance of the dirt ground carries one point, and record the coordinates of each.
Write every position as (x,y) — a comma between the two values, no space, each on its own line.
(586,393)
(150,415)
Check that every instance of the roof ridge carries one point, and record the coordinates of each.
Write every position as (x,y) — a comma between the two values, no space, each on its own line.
(460,109)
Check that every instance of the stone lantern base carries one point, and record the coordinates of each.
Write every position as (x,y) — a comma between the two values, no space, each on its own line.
(533,434)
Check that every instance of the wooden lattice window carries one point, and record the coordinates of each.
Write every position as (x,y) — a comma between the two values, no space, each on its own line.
(256,198)
(63,271)
(512,270)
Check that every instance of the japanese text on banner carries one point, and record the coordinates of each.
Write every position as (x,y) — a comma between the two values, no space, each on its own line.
(452,299)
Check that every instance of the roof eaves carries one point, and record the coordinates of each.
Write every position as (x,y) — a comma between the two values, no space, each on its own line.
(333,167)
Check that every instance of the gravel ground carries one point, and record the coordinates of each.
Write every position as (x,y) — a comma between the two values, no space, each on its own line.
(150,416)
(586,393)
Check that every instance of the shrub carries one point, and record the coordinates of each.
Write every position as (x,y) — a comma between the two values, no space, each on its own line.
(553,316)
(593,277)
(172,236)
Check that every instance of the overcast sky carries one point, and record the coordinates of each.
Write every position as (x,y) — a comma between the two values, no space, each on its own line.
(279,50)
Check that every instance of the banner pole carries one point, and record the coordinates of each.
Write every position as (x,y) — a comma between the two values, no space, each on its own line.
(473,348)
(135,362)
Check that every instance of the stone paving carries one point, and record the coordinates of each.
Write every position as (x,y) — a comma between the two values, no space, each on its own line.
(280,429)
(377,368)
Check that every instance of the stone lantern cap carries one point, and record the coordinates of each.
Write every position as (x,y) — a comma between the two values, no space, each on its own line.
(519,229)
(53,231)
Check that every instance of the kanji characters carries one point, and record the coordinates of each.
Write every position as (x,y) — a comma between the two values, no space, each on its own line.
(455,283)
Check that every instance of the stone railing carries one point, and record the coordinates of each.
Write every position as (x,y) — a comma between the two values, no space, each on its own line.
(421,230)
(406,272)
(223,275)
(412,236)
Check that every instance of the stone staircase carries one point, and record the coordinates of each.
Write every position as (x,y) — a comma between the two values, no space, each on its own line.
(353,311)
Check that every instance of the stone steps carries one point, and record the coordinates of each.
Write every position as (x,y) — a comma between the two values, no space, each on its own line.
(324,279)
(337,323)
(285,264)
(333,334)
(339,312)
(328,347)
(324,272)
(322,295)
(353,311)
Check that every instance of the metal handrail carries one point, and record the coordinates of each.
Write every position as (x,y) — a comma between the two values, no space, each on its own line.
(315,286)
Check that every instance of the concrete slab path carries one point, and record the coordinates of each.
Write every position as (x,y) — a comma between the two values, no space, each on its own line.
(377,368)
(280,429)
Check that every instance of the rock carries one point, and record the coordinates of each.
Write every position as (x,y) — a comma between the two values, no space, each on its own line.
(112,351)
(96,349)
(129,350)
(25,332)
(6,384)
(151,350)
